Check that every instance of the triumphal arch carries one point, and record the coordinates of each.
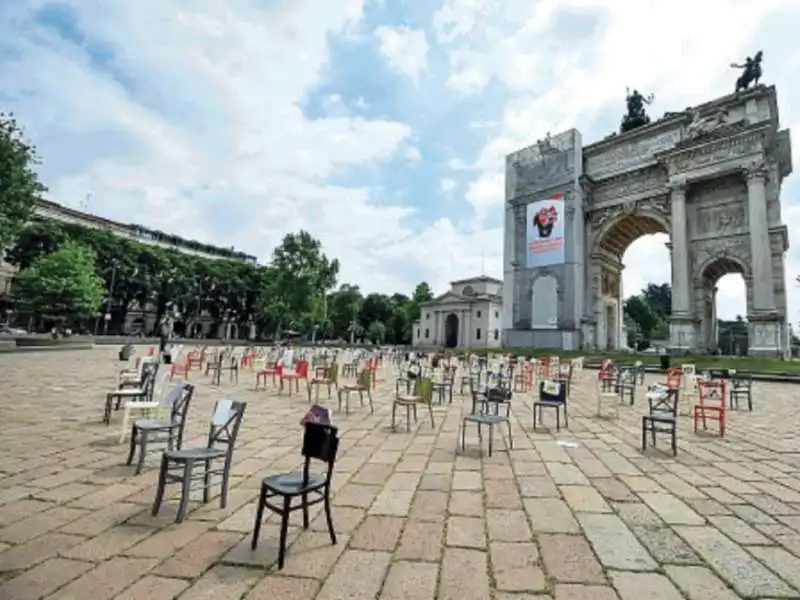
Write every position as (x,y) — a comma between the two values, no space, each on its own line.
(710,177)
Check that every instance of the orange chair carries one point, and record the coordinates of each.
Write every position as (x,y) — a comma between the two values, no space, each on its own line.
(711,404)
(674,378)
(197,358)
(300,372)
(180,369)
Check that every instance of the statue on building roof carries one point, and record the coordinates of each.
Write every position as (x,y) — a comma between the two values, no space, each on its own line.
(751,71)
(636,115)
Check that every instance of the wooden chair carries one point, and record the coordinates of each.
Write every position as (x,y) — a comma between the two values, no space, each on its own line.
(423,394)
(662,416)
(711,405)
(325,376)
(321,443)
(362,385)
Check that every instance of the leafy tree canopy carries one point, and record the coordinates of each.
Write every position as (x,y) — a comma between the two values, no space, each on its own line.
(20,188)
(62,285)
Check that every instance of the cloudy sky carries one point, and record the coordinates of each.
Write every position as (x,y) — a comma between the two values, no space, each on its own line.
(378,125)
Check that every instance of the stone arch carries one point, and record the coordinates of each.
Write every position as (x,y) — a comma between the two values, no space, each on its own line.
(619,232)
(716,266)
(705,280)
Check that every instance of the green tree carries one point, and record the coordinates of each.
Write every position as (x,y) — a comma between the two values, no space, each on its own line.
(659,299)
(20,188)
(637,309)
(62,286)
(376,332)
(344,306)
(34,241)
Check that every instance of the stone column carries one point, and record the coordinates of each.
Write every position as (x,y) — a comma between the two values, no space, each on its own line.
(763,285)
(680,249)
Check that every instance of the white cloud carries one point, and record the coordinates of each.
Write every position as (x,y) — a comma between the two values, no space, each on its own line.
(446,186)
(213,145)
(405,49)
(563,63)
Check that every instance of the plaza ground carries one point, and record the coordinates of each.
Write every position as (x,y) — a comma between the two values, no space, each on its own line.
(581,514)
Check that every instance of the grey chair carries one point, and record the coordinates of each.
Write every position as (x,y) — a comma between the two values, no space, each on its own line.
(148,432)
(321,443)
(491,409)
(178,466)
(740,386)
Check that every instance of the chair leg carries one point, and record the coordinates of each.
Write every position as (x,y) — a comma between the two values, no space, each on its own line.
(132,447)
(262,501)
(644,434)
(369,400)
(284,530)
(162,482)
(510,437)
(206,480)
(394,415)
(328,516)
(142,449)
(304,500)
(186,491)
(408,417)
(491,438)
(463,435)
(430,412)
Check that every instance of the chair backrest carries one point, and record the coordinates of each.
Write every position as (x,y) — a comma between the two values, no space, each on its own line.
(664,401)
(365,378)
(180,408)
(711,393)
(160,384)
(225,422)
(320,442)
(332,371)
(424,388)
(302,368)
(552,391)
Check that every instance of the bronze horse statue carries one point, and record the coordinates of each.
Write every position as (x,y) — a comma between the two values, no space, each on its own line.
(751,72)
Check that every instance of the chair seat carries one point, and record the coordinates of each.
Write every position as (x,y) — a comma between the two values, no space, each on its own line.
(292,483)
(353,387)
(408,399)
(194,454)
(486,419)
(666,419)
(320,380)
(128,392)
(154,425)
(550,403)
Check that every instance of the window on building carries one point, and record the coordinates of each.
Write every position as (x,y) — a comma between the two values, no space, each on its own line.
(478,333)
(427,333)
(417,333)
(497,314)
(496,334)
(427,316)
(478,314)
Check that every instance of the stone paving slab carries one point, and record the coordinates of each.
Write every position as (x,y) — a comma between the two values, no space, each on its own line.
(579,514)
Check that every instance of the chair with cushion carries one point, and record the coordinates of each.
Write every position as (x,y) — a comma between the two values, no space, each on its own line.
(320,442)
(422,394)
(553,396)
(662,415)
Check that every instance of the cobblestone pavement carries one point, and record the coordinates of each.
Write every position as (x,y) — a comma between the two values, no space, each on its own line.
(577,515)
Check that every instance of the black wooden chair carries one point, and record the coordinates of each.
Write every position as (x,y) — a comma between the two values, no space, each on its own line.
(740,386)
(225,361)
(178,466)
(320,442)
(553,396)
(168,431)
(662,416)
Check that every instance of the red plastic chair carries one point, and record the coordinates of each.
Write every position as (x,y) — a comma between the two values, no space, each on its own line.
(300,372)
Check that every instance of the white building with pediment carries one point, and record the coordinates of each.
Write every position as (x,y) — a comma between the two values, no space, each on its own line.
(469,315)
